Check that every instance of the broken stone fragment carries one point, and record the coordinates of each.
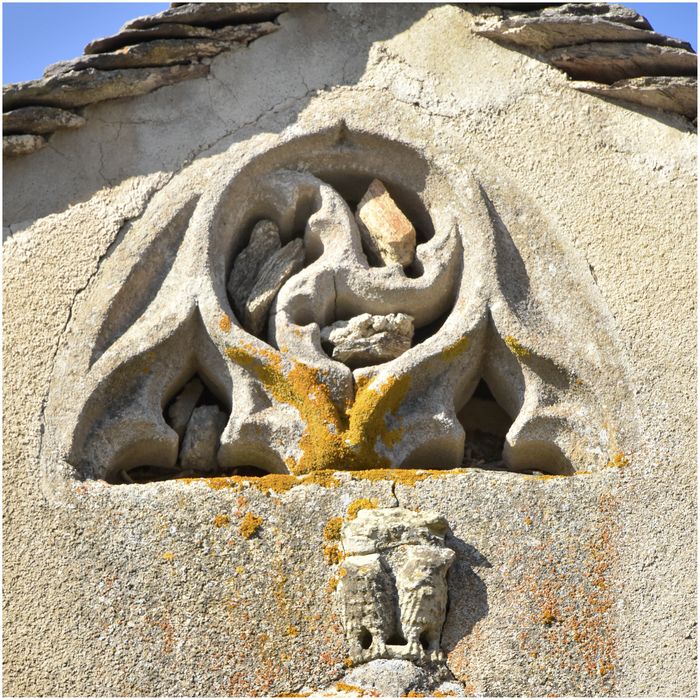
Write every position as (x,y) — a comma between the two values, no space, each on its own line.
(241,34)
(274,273)
(160,52)
(264,242)
(542,33)
(386,232)
(205,13)
(180,410)
(21,144)
(78,88)
(202,438)
(608,62)
(368,339)
(603,10)
(39,120)
(677,94)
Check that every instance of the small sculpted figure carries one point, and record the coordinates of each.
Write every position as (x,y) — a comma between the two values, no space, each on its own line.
(394,584)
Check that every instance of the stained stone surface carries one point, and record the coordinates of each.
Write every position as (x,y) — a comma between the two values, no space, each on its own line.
(201,440)
(21,144)
(39,120)
(203,13)
(119,243)
(264,242)
(275,271)
(612,61)
(237,33)
(369,339)
(74,89)
(158,52)
(670,93)
(181,410)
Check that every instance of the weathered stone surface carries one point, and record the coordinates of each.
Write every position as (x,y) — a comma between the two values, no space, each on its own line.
(368,339)
(202,438)
(276,270)
(613,61)
(264,242)
(39,120)
(396,678)
(608,11)
(21,144)
(205,13)
(678,94)
(544,32)
(387,233)
(242,34)
(84,87)
(180,411)
(159,52)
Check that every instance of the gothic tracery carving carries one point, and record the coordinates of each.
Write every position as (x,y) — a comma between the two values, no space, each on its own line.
(259,283)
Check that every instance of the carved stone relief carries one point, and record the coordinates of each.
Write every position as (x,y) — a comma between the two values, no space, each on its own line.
(393,584)
(332,303)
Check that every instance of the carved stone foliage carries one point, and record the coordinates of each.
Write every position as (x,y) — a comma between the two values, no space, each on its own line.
(393,584)
(332,302)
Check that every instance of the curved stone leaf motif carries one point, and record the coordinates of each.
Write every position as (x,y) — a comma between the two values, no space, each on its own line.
(494,293)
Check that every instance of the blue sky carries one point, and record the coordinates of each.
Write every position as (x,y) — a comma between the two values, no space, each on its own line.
(38,34)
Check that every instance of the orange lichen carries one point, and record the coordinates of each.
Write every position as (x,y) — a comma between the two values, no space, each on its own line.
(516,347)
(347,688)
(405,477)
(332,529)
(618,459)
(250,525)
(225,323)
(292,631)
(332,554)
(332,584)
(221,519)
(346,438)
(361,504)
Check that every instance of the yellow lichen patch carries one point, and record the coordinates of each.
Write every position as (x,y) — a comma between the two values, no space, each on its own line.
(332,438)
(332,554)
(332,584)
(361,504)
(221,520)
(414,694)
(618,459)
(516,347)
(454,350)
(292,631)
(168,556)
(332,529)
(347,688)
(225,323)
(240,570)
(406,477)
(348,662)
(250,525)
